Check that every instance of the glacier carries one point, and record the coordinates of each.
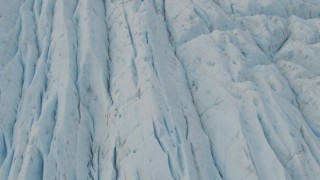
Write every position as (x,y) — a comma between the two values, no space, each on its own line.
(160,89)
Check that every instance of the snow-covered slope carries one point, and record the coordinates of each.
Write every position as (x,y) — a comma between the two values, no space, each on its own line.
(159,89)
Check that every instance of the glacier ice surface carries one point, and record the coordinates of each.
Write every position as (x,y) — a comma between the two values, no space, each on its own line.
(159,89)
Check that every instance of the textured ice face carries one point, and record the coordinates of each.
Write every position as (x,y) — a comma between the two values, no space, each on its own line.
(159,89)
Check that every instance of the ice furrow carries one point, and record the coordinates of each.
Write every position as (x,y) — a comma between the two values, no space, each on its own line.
(129,31)
(203,17)
(109,61)
(156,135)
(187,81)
(197,111)
(16,65)
(3,150)
(115,164)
